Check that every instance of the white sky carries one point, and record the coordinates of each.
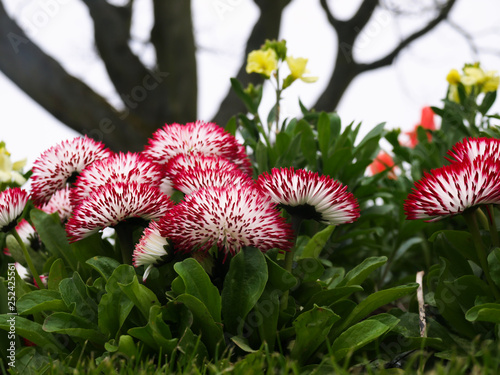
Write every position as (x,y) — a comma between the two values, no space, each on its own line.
(395,94)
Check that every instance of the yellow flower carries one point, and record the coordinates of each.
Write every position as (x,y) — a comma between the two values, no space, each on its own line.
(453,77)
(263,62)
(491,81)
(9,172)
(473,76)
(298,69)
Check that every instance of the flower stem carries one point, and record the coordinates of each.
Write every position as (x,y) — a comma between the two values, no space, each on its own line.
(296,221)
(471,220)
(27,257)
(125,238)
(493,226)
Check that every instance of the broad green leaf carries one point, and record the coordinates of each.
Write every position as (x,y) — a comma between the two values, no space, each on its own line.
(312,328)
(156,334)
(487,312)
(373,135)
(231,126)
(247,100)
(243,286)
(282,142)
(356,337)
(53,236)
(74,326)
(40,300)
(317,243)
(494,265)
(358,274)
(192,347)
(75,294)
(467,289)
(198,284)
(278,277)
(336,161)
(448,304)
(33,332)
(243,344)
(460,241)
(115,306)
(139,294)
(104,265)
(203,322)
(266,312)
(330,296)
(308,269)
(57,273)
(373,302)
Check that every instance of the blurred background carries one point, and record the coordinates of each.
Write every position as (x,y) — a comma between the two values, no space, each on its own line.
(117,70)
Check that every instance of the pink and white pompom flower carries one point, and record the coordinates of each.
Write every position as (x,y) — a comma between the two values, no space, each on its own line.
(61,163)
(12,203)
(229,218)
(308,195)
(113,203)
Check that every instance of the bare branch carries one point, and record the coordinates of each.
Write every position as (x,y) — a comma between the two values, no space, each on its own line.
(336,23)
(266,27)
(68,99)
(466,35)
(388,59)
(173,38)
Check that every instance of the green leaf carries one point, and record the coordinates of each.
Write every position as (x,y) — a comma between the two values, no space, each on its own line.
(139,294)
(359,273)
(156,333)
(489,99)
(487,312)
(460,241)
(243,286)
(278,277)
(330,296)
(308,142)
(40,300)
(53,236)
(57,273)
(317,243)
(104,265)
(494,265)
(267,312)
(324,134)
(362,151)
(203,322)
(231,126)
(356,337)
(75,294)
(198,284)
(373,302)
(115,306)
(261,158)
(74,326)
(247,100)
(33,332)
(312,328)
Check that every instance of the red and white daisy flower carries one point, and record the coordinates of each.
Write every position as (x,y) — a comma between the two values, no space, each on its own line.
(60,164)
(12,203)
(452,189)
(150,249)
(229,218)
(181,163)
(113,203)
(26,232)
(60,202)
(310,196)
(129,167)
(469,149)
(195,137)
(195,178)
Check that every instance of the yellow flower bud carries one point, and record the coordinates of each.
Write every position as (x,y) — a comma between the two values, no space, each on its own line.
(473,76)
(262,62)
(10,171)
(453,77)
(298,69)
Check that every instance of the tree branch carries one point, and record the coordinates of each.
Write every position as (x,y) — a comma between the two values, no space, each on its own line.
(389,58)
(266,27)
(68,99)
(173,39)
